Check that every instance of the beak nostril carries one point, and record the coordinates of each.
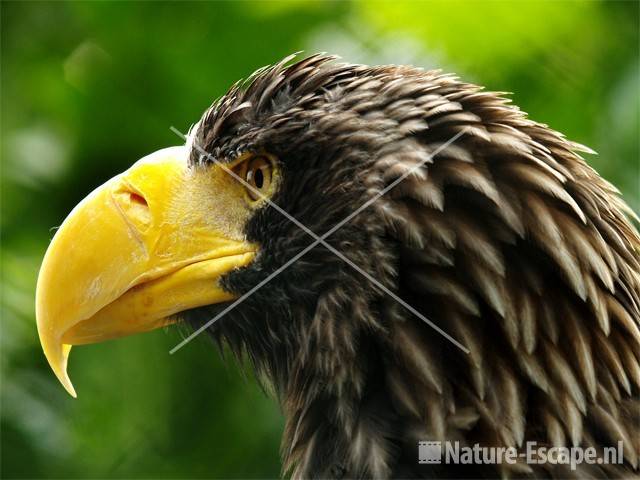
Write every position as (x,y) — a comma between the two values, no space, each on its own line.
(135,198)
(134,207)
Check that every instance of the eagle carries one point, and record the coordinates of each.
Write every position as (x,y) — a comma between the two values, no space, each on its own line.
(401,256)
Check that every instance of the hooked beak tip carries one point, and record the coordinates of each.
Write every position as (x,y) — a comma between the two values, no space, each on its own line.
(58,356)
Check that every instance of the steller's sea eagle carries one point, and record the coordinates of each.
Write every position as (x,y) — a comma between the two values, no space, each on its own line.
(455,211)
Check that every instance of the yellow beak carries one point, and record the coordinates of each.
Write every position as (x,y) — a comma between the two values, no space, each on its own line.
(148,244)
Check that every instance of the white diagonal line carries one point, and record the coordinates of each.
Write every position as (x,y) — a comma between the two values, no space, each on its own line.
(382,192)
(398,299)
(321,240)
(273,275)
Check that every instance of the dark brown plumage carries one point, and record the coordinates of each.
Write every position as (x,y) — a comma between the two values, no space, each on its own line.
(506,239)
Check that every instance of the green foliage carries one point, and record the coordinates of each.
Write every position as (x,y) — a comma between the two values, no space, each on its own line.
(89,87)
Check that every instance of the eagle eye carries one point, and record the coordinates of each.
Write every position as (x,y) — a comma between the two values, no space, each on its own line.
(258,175)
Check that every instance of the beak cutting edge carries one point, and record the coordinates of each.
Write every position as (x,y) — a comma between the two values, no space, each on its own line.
(148,244)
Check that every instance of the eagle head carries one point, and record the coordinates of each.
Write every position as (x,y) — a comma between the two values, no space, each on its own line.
(401,256)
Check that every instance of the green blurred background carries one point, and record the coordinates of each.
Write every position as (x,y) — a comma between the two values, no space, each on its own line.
(89,87)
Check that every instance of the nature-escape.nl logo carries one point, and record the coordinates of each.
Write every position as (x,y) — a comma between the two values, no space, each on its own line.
(533,454)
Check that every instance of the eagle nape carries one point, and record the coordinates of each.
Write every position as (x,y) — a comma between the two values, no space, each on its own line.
(506,239)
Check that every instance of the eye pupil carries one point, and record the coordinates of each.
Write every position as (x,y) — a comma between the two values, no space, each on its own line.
(258,178)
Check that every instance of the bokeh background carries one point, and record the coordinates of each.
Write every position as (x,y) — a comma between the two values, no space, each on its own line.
(89,87)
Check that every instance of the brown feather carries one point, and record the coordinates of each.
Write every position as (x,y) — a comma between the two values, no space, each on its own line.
(505,239)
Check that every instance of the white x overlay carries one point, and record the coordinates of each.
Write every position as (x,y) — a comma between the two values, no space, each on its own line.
(320,240)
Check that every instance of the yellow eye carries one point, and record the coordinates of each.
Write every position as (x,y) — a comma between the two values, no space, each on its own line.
(258,174)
